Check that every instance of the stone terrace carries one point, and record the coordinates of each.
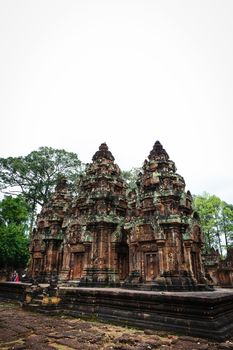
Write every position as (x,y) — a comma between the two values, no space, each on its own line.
(26,330)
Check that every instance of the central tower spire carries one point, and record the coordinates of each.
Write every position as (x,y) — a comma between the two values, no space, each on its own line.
(103,152)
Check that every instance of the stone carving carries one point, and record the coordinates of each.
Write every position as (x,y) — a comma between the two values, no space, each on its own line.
(219,270)
(150,237)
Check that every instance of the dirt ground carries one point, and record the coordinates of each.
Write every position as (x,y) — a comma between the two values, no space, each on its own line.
(20,329)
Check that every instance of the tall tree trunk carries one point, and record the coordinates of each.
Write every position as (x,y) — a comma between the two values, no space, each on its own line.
(226,239)
(209,241)
(32,218)
(225,233)
(219,241)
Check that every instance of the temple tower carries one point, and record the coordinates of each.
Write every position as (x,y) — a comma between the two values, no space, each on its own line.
(95,235)
(47,238)
(165,237)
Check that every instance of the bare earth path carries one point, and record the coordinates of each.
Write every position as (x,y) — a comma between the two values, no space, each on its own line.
(20,329)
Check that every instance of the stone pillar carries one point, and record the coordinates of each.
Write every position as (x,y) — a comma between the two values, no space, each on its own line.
(165,258)
(66,258)
(143,275)
(71,271)
(87,254)
(161,245)
(102,258)
(64,273)
(200,263)
(32,265)
(101,245)
(115,266)
(188,259)
(49,257)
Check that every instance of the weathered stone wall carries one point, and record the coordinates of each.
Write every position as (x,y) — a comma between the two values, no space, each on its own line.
(202,314)
(220,270)
(13,290)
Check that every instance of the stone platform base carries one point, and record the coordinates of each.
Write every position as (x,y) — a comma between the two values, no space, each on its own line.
(201,314)
(13,290)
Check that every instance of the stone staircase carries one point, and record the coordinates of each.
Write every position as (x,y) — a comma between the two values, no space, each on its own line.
(35,303)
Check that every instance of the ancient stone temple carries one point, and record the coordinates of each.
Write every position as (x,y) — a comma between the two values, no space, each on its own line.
(46,245)
(218,269)
(95,242)
(83,238)
(164,234)
(107,235)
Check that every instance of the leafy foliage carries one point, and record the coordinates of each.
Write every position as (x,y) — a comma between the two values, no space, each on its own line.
(217,221)
(14,210)
(130,177)
(13,232)
(36,174)
(227,223)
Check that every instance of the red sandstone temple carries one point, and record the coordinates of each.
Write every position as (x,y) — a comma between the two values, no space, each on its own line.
(148,238)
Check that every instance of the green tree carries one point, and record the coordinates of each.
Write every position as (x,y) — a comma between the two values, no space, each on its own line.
(13,232)
(217,221)
(209,208)
(227,223)
(14,210)
(36,174)
(131,176)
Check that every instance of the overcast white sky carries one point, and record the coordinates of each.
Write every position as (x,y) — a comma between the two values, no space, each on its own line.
(74,74)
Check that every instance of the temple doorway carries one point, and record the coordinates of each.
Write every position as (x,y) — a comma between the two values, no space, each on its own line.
(122,250)
(123,261)
(151,266)
(123,266)
(78,266)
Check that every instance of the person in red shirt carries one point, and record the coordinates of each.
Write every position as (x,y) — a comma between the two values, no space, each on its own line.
(16,277)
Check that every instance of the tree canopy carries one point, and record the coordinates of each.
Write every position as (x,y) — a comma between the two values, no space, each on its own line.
(130,177)
(14,210)
(216,220)
(36,174)
(14,241)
